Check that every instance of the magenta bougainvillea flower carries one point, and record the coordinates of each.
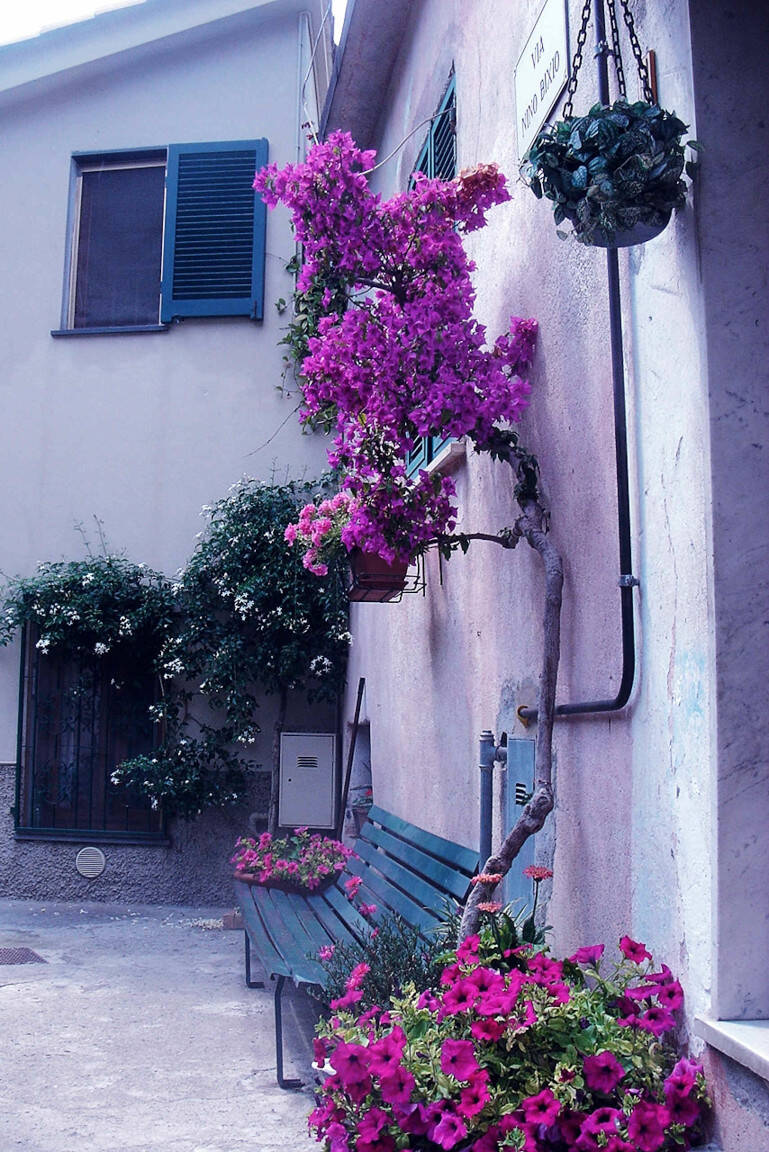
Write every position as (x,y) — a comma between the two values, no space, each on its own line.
(397,353)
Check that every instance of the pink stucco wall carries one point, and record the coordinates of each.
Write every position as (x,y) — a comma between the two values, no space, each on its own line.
(638,840)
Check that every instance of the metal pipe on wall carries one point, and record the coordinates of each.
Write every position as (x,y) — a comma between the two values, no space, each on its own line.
(626,580)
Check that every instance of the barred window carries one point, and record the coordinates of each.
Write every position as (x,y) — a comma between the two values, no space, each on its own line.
(77,723)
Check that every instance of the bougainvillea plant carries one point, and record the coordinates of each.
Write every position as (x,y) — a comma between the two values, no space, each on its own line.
(406,358)
(303,860)
(512,1049)
(389,351)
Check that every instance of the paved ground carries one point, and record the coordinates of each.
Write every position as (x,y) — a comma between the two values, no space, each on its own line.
(139,1035)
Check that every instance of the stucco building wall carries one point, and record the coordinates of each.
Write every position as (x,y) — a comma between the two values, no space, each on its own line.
(638,839)
(140,431)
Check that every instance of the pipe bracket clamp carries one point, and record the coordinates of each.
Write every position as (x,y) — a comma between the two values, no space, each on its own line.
(627,581)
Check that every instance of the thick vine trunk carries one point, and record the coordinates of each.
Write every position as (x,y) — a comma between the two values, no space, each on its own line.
(272,814)
(532,525)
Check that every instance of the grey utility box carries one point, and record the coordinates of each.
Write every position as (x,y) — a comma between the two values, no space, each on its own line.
(307,779)
(520,784)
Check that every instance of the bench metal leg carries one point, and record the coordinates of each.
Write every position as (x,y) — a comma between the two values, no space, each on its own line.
(249,982)
(282,1081)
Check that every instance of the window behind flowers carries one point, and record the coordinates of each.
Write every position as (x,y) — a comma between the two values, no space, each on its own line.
(438,160)
(77,723)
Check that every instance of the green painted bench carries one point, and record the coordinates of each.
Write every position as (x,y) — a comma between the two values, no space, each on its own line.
(403,869)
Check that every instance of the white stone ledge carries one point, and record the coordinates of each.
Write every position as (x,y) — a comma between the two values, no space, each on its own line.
(746,1041)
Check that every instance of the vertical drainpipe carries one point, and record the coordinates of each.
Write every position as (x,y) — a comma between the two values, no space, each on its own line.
(486,765)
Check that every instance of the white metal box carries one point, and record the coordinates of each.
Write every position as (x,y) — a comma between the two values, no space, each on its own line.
(307,779)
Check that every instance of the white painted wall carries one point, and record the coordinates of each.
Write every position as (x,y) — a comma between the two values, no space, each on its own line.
(139,431)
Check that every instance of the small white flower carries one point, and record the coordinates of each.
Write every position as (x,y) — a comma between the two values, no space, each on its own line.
(100,649)
(88,579)
(43,644)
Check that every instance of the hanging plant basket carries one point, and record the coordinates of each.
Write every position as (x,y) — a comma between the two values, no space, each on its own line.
(375,580)
(615,173)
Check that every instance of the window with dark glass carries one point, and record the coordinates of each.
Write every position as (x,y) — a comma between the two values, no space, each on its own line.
(77,723)
(158,235)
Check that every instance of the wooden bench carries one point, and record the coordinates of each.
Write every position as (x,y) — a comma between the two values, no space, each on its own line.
(403,869)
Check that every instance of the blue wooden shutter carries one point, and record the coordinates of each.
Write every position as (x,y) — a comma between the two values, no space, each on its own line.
(438,160)
(213,249)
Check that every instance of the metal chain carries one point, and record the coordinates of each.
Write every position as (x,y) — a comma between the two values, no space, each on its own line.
(643,71)
(577,61)
(616,50)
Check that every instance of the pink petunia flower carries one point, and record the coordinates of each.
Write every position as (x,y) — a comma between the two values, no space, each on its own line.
(542,1108)
(670,996)
(351,1061)
(656,1020)
(449,1129)
(634,951)
(683,1109)
(474,1097)
(458,1059)
(646,1126)
(683,1077)
(397,1088)
(589,955)
(603,1072)
(602,1120)
(461,997)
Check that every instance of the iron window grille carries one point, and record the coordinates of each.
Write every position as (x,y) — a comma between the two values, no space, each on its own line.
(77,722)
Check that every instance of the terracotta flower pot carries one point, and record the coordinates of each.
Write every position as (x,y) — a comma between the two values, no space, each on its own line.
(288,885)
(374,579)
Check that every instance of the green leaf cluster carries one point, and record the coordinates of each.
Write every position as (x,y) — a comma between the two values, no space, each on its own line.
(398,956)
(244,618)
(611,170)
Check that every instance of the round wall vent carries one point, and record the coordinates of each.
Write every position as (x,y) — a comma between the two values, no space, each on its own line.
(90,862)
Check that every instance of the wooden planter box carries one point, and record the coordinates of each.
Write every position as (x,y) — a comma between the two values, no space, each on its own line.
(373,579)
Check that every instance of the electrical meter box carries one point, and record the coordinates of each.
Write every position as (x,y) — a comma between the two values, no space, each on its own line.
(520,785)
(307,779)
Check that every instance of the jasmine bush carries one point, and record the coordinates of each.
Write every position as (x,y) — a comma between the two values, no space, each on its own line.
(243,618)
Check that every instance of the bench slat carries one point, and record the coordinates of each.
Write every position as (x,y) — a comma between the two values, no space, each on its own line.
(418,889)
(446,850)
(443,884)
(308,935)
(386,896)
(270,959)
(284,941)
(352,919)
(336,928)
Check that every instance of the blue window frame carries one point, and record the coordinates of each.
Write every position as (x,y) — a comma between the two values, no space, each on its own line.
(437,159)
(161,234)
